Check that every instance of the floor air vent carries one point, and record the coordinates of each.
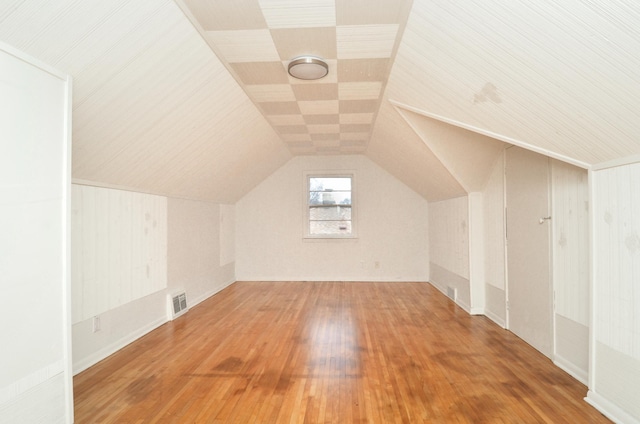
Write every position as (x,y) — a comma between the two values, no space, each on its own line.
(177,305)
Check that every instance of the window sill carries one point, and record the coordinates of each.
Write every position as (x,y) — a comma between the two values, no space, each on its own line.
(332,239)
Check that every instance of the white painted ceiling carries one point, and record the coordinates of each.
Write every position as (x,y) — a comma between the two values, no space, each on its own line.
(191,98)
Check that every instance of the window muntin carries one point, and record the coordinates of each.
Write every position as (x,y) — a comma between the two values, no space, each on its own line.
(330,206)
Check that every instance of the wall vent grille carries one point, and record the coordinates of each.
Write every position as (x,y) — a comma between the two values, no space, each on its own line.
(177,305)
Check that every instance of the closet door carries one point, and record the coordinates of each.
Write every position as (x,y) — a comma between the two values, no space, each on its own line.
(529,289)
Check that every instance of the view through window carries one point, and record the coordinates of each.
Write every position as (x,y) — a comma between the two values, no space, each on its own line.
(330,206)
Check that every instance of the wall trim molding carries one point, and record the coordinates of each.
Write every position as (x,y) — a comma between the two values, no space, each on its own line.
(195,301)
(495,318)
(572,369)
(623,161)
(35,379)
(109,350)
(611,411)
(346,280)
(491,134)
(112,348)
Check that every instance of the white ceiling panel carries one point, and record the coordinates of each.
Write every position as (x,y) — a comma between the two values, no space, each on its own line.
(245,45)
(295,14)
(366,41)
(154,109)
(192,97)
(553,76)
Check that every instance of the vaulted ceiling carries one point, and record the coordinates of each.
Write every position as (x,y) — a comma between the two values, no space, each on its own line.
(192,98)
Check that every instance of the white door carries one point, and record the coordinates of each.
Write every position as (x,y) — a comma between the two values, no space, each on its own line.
(529,291)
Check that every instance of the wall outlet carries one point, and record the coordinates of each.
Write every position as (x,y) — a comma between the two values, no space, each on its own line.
(96,324)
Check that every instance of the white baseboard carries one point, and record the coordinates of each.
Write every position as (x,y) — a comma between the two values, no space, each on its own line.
(493,317)
(477,311)
(109,350)
(611,411)
(464,306)
(571,369)
(207,295)
(369,279)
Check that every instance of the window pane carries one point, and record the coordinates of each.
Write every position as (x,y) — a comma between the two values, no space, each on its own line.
(330,227)
(330,183)
(330,213)
(329,198)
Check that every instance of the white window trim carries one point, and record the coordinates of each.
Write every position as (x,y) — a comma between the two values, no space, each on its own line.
(354,207)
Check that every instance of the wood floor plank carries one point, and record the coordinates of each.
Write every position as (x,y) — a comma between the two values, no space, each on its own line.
(329,352)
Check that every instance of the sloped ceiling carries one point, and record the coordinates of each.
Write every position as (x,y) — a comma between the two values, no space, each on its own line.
(153,108)
(558,77)
(164,101)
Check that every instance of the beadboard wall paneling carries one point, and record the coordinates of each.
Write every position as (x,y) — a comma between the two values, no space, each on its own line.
(570,234)
(617,257)
(616,348)
(449,235)
(194,249)
(227,234)
(189,243)
(119,248)
(494,222)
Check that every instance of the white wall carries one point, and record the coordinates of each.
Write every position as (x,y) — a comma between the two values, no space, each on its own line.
(494,221)
(392,228)
(449,247)
(615,380)
(35,371)
(193,262)
(200,248)
(570,238)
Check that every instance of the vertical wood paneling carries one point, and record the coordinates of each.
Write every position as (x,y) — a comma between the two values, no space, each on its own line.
(570,232)
(449,235)
(494,226)
(227,234)
(119,250)
(617,256)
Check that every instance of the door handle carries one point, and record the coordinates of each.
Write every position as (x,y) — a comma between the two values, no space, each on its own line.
(543,219)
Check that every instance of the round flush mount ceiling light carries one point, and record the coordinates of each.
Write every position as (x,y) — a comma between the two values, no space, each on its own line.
(308,68)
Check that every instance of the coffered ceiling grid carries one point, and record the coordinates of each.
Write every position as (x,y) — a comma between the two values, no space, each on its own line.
(258,38)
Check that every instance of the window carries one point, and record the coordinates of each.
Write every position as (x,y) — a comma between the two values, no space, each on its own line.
(330,206)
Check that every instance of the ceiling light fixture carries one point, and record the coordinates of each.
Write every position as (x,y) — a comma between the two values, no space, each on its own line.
(308,68)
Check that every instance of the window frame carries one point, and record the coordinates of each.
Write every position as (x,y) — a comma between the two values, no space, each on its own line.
(306,194)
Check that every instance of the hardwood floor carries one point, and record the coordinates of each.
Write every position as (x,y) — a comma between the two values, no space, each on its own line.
(333,352)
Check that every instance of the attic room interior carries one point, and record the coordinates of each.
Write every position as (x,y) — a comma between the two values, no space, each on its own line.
(458,178)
